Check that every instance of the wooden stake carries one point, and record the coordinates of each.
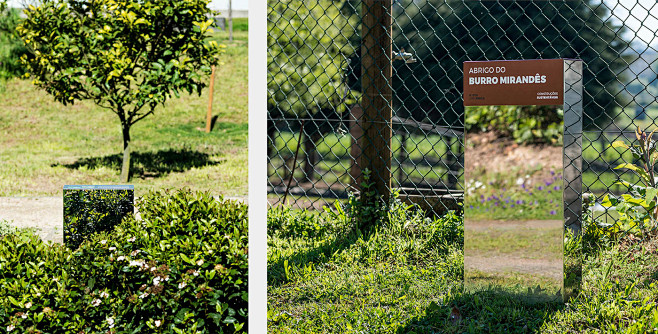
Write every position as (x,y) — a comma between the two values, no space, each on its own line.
(230,21)
(209,114)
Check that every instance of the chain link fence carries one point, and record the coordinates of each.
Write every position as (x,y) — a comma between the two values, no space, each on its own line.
(356,85)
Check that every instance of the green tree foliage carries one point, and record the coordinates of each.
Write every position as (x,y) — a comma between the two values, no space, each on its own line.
(127,56)
(11,46)
(91,211)
(308,44)
(443,34)
(308,51)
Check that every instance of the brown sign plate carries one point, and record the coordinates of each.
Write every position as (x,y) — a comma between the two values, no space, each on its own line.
(514,82)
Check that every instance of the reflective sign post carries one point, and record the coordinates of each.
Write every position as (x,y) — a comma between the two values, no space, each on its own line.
(522,205)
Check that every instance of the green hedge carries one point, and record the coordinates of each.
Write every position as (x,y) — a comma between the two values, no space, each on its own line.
(526,124)
(182,268)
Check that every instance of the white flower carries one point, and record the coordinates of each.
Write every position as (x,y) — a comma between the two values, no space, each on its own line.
(156,280)
(38,294)
(519,181)
(24,315)
(210,251)
(104,294)
(121,258)
(195,273)
(144,295)
(10,328)
(135,252)
(152,268)
(200,262)
(110,321)
(131,239)
(182,285)
(28,305)
(103,242)
(158,323)
(112,248)
(136,263)
(95,302)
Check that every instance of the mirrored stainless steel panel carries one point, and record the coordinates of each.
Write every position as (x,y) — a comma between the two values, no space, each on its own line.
(522,205)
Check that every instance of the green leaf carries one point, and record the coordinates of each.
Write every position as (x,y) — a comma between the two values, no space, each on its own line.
(186,259)
(619,143)
(609,201)
(650,194)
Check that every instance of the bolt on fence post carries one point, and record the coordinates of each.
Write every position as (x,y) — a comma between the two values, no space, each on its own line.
(377,70)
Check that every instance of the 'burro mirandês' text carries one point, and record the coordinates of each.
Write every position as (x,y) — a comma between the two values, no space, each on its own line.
(509,79)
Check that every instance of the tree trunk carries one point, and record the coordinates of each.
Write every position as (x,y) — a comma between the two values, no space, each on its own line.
(125,166)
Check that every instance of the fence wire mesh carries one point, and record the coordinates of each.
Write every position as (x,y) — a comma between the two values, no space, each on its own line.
(379,83)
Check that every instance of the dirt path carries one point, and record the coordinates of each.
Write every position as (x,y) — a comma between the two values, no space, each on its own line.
(506,264)
(43,213)
(550,267)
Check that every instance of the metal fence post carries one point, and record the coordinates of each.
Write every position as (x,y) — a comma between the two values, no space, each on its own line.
(377,70)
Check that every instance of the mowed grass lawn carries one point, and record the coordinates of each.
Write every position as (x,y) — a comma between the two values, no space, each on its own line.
(45,145)
(405,276)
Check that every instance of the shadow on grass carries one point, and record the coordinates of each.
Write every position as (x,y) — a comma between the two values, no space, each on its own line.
(276,271)
(149,164)
(484,311)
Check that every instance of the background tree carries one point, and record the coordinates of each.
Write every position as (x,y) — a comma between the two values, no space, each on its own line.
(11,46)
(443,34)
(308,48)
(128,56)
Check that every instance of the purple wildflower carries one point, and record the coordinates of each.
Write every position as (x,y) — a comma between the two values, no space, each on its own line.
(540,188)
(556,188)
(552,173)
(511,206)
(552,212)
(519,202)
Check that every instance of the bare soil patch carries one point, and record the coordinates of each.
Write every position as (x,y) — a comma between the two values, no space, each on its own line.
(500,154)
(45,214)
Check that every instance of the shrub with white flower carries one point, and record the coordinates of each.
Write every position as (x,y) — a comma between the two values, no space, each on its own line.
(95,302)
(104,294)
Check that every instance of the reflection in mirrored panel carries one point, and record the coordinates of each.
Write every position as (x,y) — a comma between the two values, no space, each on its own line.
(572,161)
(514,211)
